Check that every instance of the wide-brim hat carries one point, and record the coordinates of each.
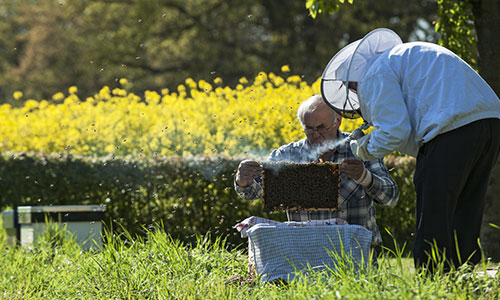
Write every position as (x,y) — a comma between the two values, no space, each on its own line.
(350,65)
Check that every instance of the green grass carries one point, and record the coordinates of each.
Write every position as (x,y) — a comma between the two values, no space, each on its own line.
(158,267)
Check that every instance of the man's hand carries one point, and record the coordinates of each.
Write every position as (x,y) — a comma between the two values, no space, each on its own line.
(355,169)
(352,168)
(247,171)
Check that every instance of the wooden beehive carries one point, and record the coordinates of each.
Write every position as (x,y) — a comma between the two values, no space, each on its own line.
(299,186)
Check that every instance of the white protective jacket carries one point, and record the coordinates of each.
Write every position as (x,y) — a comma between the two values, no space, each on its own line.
(415,91)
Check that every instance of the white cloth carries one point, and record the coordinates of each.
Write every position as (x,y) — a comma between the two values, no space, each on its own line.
(415,91)
(289,249)
(249,222)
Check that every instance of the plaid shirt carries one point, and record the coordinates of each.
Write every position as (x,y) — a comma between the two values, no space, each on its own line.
(356,202)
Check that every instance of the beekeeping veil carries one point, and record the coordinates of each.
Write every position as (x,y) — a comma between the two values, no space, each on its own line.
(350,65)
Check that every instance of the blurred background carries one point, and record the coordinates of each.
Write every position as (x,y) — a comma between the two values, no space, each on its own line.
(48,45)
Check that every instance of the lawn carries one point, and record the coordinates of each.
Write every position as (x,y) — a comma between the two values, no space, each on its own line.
(158,267)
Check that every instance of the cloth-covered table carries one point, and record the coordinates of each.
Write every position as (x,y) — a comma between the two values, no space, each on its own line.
(279,250)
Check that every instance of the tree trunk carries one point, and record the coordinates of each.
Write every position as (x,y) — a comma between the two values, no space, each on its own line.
(487,23)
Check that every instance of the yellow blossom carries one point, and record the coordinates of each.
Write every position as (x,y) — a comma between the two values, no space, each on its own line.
(72,90)
(278,81)
(17,95)
(119,92)
(243,80)
(58,96)
(31,104)
(104,93)
(191,83)
(205,86)
(253,117)
(218,80)
(123,81)
(293,79)
(285,69)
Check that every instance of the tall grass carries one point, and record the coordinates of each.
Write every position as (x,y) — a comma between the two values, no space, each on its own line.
(159,267)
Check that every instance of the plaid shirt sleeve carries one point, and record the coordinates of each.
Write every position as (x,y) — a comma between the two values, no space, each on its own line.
(250,192)
(290,152)
(384,190)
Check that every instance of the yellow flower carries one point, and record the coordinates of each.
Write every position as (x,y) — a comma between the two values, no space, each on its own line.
(119,92)
(253,117)
(72,90)
(316,86)
(293,79)
(104,92)
(205,86)
(191,83)
(278,81)
(218,80)
(285,69)
(30,104)
(123,81)
(43,104)
(243,80)
(58,96)
(17,95)
(261,78)
(152,97)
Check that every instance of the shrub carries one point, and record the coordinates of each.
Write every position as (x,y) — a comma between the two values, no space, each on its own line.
(189,195)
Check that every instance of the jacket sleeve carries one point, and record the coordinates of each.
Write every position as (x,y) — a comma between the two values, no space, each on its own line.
(384,190)
(386,110)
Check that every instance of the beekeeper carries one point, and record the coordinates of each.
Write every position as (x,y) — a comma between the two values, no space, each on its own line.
(424,101)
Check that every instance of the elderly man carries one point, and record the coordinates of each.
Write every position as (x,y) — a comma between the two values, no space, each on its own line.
(424,101)
(362,183)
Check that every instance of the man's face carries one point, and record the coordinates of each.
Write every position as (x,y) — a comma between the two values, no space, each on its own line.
(320,126)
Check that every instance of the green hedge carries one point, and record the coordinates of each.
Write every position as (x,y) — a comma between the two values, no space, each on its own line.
(187,195)
(400,219)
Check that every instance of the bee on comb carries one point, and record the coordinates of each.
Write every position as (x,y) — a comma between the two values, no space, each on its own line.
(300,186)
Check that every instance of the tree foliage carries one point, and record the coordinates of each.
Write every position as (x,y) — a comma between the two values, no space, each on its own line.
(455,24)
(47,45)
(319,6)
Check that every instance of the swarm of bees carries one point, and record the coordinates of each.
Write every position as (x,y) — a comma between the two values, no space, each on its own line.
(300,186)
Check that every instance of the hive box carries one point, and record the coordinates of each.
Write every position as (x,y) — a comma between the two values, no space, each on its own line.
(82,221)
(9,223)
